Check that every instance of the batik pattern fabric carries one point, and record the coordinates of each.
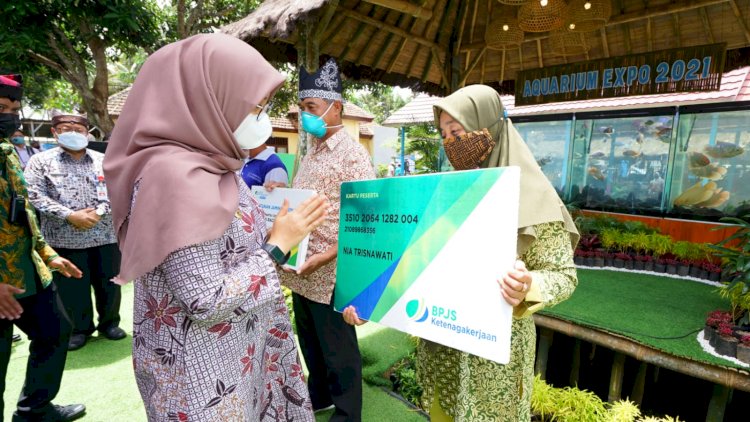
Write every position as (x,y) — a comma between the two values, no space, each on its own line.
(328,164)
(212,338)
(23,250)
(473,389)
(60,185)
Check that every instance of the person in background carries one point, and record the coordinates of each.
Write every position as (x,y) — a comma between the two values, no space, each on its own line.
(28,297)
(264,167)
(458,386)
(24,151)
(212,339)
(67,186)
(329,345)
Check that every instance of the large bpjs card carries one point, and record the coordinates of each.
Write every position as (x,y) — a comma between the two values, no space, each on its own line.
(270,203)
(424,254)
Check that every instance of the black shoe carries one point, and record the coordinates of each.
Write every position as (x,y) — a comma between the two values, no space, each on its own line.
(114,333)
(57,413)
(16,338)
(77,341)
(70,412)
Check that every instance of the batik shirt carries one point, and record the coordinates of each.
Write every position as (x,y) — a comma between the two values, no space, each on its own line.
(212,339)
(328,164)
(23,250)
(60,185)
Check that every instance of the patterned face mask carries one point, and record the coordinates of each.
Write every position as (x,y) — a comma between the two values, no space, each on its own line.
(467,151)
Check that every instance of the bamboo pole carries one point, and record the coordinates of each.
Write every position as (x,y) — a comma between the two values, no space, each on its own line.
(404,7)
(542,355)
(639,385)
(615,379)
(706,24)
(742,21)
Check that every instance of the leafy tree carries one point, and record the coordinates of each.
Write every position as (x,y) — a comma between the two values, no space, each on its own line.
(378,99)
(76,39)
(186,18)
(424,142)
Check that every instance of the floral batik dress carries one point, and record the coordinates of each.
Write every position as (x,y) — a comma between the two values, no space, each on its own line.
(212,339)
(473,389)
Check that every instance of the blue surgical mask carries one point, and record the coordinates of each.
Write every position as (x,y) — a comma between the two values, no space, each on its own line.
(73,141)
(17,140)
(315,125)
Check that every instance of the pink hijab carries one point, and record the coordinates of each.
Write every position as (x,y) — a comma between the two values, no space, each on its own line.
(175,136)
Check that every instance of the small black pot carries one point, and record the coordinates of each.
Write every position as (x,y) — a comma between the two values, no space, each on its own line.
(683,270)
(671,269)
(578,260)
(588,261)
(709,333)
(648,266)
(660,268)
(714,276)
(618,263)
(639,265)
(726,346)
(695,271)
(598,261)
(628,264)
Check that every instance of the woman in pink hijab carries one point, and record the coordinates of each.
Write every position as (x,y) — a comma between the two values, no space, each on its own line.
(212,338)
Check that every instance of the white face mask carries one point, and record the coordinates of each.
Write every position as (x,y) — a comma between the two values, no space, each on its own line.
(254,130)
(73,141)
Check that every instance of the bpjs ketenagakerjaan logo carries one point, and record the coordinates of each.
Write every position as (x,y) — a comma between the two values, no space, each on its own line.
(417,310)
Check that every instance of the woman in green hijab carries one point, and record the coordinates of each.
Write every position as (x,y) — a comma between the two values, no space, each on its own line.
(458,386)
(462,387)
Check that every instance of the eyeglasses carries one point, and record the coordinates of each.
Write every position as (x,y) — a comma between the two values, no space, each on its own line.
(264,109)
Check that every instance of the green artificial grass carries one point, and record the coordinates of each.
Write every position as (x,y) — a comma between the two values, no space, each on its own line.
(381,347)
(101,375)
(662,312)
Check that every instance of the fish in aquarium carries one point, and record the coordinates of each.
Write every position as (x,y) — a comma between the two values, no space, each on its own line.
(648,122)
(639,138)
(696,194)
(544,161)
(596,173)
(712,171)
(664,131)
(697,159)
(723,150)
(607,130)
(631,153)
(597,155)
(716,200)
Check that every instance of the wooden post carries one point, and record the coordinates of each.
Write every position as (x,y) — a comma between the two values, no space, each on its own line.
(575,367)
(615,379)
(718,403)
(542,353)
(640,384)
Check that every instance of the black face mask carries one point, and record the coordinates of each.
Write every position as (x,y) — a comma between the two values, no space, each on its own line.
(9,123)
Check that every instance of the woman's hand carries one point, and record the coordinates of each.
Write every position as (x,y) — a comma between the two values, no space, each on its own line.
(516,284)
(291,227)
(351,317)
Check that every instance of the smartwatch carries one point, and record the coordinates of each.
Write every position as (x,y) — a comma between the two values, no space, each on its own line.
(276,254)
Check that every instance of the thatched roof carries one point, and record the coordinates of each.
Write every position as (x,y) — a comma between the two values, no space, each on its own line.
(433,44)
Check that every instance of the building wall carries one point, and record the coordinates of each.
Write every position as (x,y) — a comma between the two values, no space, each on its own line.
(351,126)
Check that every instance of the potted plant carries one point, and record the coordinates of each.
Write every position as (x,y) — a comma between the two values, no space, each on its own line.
(743,349)
(621,260)
(660,265)
(713,271)
(714,319)
(578,256)
(598,258)
(671,264)
(683,251)
(726,343)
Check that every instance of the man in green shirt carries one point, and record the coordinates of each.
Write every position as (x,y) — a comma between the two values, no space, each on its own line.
(27,298)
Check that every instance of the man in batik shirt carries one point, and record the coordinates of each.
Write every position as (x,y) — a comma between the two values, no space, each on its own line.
(67,186)
(328,343)
(28,299)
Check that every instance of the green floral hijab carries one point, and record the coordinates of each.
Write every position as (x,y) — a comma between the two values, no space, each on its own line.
(477,107)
